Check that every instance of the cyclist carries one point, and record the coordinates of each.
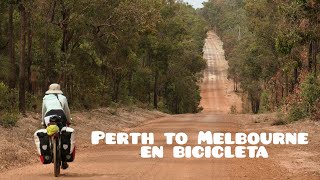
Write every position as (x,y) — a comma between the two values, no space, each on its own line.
(55,103)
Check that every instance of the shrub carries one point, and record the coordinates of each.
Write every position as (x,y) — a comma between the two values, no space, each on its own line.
(114,105)
(279,122)
(315,116)
(297,112)
(128,101)
(265,104)
(8,100)
(200,109)
(113,112)
(233,109)
(9,120)
(113,109)
(310,92)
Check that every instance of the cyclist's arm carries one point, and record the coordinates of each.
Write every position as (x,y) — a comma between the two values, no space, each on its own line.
(67,110)
(43,113)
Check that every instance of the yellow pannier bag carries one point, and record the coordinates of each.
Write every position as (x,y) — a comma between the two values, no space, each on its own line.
(52,129)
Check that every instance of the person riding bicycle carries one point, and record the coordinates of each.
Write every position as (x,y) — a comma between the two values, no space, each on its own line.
(55,104)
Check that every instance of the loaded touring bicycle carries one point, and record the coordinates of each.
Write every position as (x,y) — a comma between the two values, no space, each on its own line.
(56,143)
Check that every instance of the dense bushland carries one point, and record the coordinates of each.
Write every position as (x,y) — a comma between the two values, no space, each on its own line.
(272,47)
(142,52)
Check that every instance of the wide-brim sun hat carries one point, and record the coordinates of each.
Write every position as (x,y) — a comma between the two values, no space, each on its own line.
(54,89)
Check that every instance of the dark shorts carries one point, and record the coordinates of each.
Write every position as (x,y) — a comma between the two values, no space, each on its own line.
(60,113)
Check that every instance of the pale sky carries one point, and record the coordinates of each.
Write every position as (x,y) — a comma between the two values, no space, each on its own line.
(195,3)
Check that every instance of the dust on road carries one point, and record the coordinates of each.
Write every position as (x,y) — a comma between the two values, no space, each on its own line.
(124,162)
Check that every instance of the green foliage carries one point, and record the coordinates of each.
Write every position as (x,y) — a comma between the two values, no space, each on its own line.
(316,111)
(265,104)
(310,93)
(8,106)
(114,108)
(33,102)
(8,100)
(268,44)
(4,66)
(286,41)
(9,120)
(182,95)
(310,90)
(109,51)
(297,112)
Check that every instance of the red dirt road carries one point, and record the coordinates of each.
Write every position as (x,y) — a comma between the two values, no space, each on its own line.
(216,90)
(124,162)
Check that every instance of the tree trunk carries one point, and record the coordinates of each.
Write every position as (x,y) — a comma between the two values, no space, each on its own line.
(13,76)
(66,38)
(22,77)
(255,104)
(116,80)
(296,75)
(149,93)
(130,83)
(237,85)
(314,56)
(176,105)
(155,90)
(50,18)
(29,53)
(276,93)
(286,84)
(310,57)
(117,91)
(46,62)
(64,57)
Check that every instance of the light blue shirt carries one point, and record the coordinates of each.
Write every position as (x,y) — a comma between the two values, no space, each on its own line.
(51,102)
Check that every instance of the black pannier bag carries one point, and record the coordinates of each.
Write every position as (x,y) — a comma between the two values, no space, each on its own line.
(42,141)
(68,148)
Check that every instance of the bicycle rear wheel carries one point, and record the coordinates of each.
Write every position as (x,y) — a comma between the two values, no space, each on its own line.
(56,158)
